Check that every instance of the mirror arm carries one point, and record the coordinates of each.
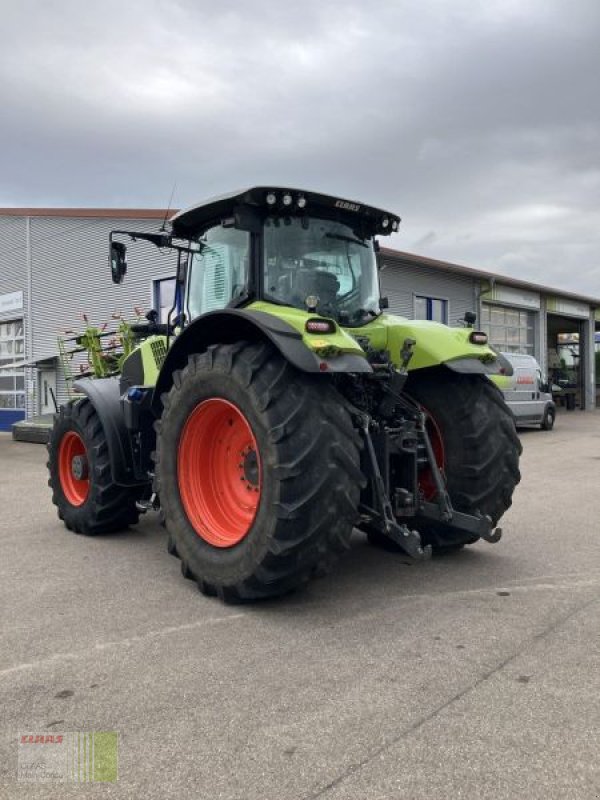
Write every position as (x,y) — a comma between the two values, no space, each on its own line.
(162,239)
(117,251)
(158,239)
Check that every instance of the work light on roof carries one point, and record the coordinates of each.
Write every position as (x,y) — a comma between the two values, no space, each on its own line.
(395,225)
(271,199)
(301,202)
(385,222)
(287,199)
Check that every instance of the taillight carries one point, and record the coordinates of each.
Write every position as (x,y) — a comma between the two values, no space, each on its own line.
(320,326)
(478,337)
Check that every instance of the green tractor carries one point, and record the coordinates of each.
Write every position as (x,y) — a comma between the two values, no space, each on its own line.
(277,408)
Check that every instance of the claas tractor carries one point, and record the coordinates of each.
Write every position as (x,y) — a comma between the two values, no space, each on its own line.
(277,407)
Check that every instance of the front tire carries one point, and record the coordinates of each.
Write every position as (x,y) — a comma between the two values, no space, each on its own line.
(87,500)
(257,470)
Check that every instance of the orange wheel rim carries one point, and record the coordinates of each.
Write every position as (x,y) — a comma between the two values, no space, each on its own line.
(72,468)
(426,481)
(219,472)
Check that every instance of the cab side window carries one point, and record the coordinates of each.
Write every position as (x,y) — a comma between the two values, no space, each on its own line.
(219,272)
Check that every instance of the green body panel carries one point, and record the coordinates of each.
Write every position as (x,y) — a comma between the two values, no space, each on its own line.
(327,344)
(435,343)
(503,382)
(153,351)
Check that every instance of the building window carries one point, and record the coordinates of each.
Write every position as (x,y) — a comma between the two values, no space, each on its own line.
(432,308)
(509,329)
(12,350)
(164,292)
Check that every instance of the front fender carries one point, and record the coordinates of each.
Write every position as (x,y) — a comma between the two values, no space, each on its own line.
(104,394)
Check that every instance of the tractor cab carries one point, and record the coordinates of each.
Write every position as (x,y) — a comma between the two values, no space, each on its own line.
(299,249)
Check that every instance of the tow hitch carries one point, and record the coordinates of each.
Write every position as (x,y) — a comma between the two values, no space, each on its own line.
(439,510)
(401,534)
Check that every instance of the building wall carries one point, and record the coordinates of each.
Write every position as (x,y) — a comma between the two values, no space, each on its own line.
(64,261)
(401,280)
(12,254)
(13,279)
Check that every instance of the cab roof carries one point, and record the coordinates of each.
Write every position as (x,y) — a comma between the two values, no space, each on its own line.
(194,220)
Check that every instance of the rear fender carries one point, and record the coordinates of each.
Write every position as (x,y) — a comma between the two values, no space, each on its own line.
(437,345)
(233,325)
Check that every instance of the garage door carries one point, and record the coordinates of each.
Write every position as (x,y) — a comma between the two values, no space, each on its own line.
(510,330)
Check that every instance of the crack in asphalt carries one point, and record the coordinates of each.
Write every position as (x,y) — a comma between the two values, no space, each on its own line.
(99,646)
(352,769)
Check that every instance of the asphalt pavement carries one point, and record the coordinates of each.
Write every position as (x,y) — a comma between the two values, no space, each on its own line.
(475,675)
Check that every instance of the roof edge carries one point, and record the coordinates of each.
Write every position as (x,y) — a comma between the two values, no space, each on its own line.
(88,213)
(474,272)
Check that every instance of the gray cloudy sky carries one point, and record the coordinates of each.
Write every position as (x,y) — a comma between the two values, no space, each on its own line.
(478,122)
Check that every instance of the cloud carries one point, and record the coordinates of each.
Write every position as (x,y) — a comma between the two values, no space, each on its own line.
(478,122)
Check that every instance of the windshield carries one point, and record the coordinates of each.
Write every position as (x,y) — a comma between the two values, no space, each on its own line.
(312,258)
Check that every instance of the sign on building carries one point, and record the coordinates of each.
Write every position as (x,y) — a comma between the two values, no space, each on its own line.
(511,295)
(13,301)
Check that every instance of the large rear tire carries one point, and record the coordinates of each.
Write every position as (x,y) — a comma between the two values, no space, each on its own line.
(87,500)
(257,470)
(481,448)
(476,446)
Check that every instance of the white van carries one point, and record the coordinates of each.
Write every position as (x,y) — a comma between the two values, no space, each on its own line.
(527,392)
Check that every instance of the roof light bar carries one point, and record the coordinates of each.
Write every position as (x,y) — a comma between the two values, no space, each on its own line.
(287,200)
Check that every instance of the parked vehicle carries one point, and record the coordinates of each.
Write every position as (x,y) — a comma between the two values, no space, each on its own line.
(527,392)
(278,408)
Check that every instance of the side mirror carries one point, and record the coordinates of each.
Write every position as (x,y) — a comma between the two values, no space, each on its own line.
(182,266)
(118,261)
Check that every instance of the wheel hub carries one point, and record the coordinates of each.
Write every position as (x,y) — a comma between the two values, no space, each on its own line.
(73,470)
(249,468)
(79,468)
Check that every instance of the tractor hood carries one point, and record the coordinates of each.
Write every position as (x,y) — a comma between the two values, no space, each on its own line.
(435,344)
